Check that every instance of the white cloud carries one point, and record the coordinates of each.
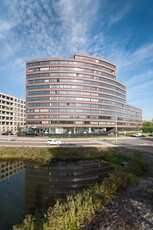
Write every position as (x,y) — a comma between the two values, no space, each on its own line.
(63,25)
(5,27)
(119,14)
(75,20)
(144,52)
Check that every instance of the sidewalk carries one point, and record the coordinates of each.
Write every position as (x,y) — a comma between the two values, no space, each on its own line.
(131,210)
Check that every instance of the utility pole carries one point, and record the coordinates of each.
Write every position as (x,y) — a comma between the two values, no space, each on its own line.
(116,126)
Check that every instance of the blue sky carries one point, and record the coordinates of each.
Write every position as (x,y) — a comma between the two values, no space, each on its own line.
(116,30)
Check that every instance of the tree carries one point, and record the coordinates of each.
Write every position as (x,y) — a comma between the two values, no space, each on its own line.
(18,127)
(147,126)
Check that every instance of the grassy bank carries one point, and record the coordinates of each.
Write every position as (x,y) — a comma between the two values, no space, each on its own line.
(80,208)
(46,155)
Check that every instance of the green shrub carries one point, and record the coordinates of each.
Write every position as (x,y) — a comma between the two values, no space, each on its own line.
(138,166)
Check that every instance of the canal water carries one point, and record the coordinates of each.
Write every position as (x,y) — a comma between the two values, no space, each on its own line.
(12,197)
(25,188)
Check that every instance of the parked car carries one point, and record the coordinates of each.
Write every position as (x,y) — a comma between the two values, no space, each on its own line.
(7,133)
(53,142)
(14,133)
(137,135)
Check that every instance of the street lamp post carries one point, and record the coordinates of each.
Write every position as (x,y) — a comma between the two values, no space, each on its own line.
(9,137)
(116,126)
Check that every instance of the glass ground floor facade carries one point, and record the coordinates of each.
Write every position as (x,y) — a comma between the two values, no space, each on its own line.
(80,130)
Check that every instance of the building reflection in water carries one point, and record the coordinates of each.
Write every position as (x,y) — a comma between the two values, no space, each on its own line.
(8,169)
(44,184)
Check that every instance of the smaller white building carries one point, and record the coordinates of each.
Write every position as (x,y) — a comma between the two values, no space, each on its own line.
(12,113)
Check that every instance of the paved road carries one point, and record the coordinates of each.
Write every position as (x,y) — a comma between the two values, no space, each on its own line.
(137,142)
(43,143)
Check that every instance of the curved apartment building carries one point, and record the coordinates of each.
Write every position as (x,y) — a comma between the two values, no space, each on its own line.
(76,95)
